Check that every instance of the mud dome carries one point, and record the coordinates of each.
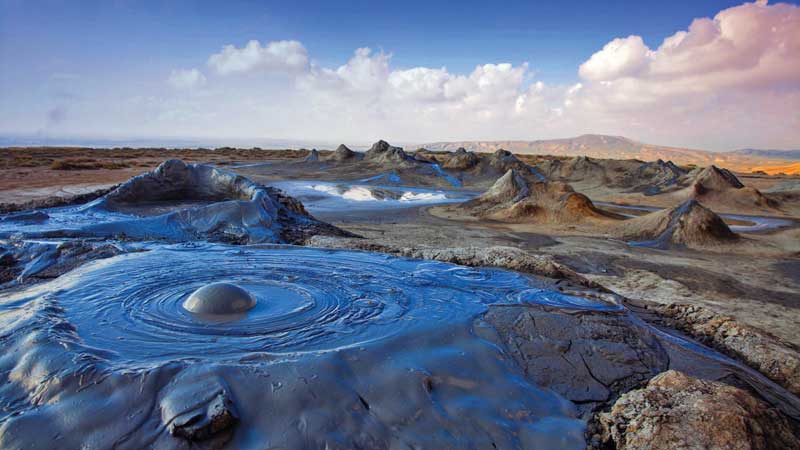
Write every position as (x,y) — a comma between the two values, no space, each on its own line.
(353,350)
(180,202)
(220,299)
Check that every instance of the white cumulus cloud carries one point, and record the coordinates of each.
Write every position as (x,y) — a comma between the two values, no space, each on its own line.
(279,56)
(186,79)
(729,81)
(619,58)
(736,75)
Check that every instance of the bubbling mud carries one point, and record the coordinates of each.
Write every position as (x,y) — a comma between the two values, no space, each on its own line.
(135,306)
(220,299)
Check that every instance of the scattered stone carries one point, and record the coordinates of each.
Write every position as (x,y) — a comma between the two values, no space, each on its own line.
(679,411)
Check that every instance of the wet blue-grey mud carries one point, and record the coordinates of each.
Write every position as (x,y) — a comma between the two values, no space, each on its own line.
(307,300)
(342,349)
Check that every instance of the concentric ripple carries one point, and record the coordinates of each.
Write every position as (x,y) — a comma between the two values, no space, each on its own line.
(307,300)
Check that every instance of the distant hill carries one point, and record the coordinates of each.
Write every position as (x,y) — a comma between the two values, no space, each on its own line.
(788,169)
(770,154)
(614,147)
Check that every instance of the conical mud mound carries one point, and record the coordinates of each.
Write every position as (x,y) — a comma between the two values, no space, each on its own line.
(461,160)
(690,224)
(382,152)
(343,153)
(712,178)
(721,189)
(515,198)
(313,156)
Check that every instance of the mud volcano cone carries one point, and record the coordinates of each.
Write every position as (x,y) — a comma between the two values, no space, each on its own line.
(690,224)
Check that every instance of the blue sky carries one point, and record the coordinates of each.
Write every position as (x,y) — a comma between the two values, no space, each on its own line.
(89,56)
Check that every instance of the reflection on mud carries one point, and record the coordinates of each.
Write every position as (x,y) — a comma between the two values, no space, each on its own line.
(320,196)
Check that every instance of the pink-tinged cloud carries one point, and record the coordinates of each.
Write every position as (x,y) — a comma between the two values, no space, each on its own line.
(736,76)
(752,45)
(725,82)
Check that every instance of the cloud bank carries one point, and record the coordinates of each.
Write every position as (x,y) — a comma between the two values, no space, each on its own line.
(728,81)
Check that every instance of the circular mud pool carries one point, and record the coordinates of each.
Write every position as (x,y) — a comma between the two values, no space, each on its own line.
(131,307)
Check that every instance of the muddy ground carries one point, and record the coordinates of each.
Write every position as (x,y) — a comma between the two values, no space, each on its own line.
(758,283)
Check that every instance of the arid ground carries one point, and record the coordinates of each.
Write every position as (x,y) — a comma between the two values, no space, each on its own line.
(640,277)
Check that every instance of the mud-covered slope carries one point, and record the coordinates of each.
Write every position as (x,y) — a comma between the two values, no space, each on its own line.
(515,198)
(180,202)
(720,188)
(344,154)
(631,175)
(689,224)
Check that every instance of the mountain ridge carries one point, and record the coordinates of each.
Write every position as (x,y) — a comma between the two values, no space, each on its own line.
(616,147)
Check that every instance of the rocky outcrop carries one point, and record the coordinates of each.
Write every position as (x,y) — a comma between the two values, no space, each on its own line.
(515,198)
(679,411)
(461,159)
(689,224)
(778,360)
(588,356)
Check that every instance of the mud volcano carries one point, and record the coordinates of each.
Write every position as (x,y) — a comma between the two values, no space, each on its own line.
(392,341)
(220,299)
(181,202)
